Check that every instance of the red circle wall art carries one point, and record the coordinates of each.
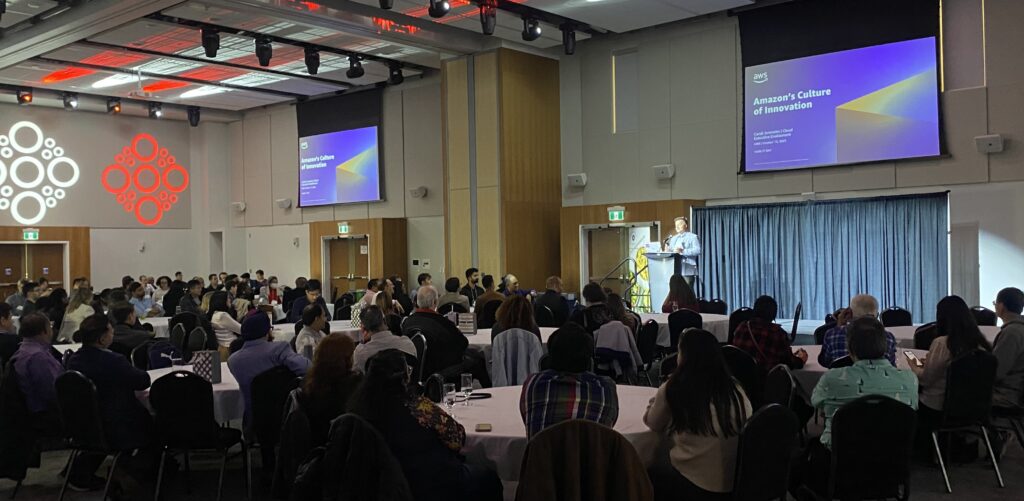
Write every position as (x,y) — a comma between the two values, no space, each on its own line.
(142,179)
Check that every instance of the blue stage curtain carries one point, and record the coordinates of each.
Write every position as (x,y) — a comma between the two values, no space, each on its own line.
(821,253)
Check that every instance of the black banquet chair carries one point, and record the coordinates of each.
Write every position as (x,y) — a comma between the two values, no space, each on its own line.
(647,345)
(844,361)
(485,319)
(679,321)
(83,426)
(924,335)
(984,316)
(445,309)
(897,317)
(745,369)
(270,391)
(763,454)
(737,318)
(544,316)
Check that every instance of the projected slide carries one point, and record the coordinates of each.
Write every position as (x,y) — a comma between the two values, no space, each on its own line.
(862,105)
(339,168)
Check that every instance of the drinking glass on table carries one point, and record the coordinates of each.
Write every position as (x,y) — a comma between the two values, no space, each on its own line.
(467,386)
(449,396)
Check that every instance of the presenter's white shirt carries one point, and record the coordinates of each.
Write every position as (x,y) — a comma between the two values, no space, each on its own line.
(691,250)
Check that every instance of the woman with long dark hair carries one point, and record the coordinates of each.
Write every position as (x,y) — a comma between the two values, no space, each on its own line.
(703,408)
(222,319)
(617,308)
(425,440)
(516,312)
(680,296)
(329,384)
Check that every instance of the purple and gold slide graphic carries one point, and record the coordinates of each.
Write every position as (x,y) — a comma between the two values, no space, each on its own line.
(339,168)
(861,105)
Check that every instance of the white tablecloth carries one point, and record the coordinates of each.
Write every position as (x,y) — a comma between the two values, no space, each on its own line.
(161,328)
(807,378)
(715,324)
(502,449)
(905,335)
(227,398)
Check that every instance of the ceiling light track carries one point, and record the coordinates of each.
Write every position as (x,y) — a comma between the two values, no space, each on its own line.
(72,101)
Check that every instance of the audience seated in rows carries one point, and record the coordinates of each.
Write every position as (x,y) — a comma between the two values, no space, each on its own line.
(17,299)
(703,409)
(452,296)
(311,295)
(596,311)
(144,305)
(426,441)
(619,312)
(400,296)
(193,298)
(569,389)
(515,313)
(1009,350)
(9,338)
(329,384)
(446,344)
(30,293)
(378,337)
(488,295)
(510,286)
(834,344)
(126,336)
(680,296)
(765,341)
(314,320)
(553,300)
(163,286)
(270,292)
(471,291)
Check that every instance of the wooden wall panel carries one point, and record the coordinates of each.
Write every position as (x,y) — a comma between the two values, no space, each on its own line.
(571,218)
(460,250)
(457,123)
(388,244)
(76,236)
(486,93)
(489,236)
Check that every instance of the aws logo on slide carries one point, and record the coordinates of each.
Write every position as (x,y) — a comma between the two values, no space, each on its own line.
(760,78)
(34,173)
(150,179)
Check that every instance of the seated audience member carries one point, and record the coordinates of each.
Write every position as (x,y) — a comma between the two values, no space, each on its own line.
(833,345)
(554,301)
(178,277)
(400,296)
(421,280)
(595,311)
(329,384)
(391,309)
(80,283)
(259,353)
(260,280)
(372,288)
(618,310)
(79,308)
(193,298)
(314,320)
(489,294)
(222,278)
(222,319)
(452,296)
(765,341)
(53,306)
(311,296)
(703,408)
(126,336)
(246,279)
(425,440)
(17,300)
(870,374)
(680,296)
(126,281)
(270,292)
(145,307)
(44,287)
(569,389)
(377,337)
(510,286)
(9,338)
(30,291)
(1009,350)
(290,295)
(447,344)
(471,290)
(958,333)
(163,286)
(515,313)
(215,284)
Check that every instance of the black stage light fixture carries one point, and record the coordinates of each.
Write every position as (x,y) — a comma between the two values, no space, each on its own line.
(355,68)
(211,41)
(264,51)
(395,76)
(568,39)
(155,110)
(438,8)
(531,29)
(387,4)
(193,116)
(488,17)
(312,60)
(114,105)
(24,96)
(70,101)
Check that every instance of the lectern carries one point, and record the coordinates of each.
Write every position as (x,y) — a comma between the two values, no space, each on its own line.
(660,268)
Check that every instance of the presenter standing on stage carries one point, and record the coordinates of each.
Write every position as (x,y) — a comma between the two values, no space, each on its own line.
(686,244)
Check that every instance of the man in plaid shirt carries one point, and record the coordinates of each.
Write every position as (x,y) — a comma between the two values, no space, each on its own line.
(568,390)
(833,346)
(765,340)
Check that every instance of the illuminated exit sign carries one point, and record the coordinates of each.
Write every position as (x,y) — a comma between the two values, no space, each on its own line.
(343,227)
(616,214)
(30,234)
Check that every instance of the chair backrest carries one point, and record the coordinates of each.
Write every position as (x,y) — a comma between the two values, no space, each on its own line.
(718,307)
(779,386)
(270,391)
(161,353)
(343,307)
(924,335)
(513,350)
(434,388)
(80,411)
(544,316)
(737,317)
(862,428)
(704,306)
(182,404)
(177,337)
(140,355)
(680,320)
(196,341)
(445,309)
(419,340)
(763,454)
(190,320)
(647,341)
(819,333)
(485,319)
(897,317)
(843,361)
(745,369)
(969,380)
(984,316)
(796,321)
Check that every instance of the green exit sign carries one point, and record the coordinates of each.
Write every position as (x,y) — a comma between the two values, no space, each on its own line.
(343,227)
(30,234)
(616,214)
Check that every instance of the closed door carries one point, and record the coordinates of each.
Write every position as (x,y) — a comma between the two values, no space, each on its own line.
(608,247)
(350,264)
(12,267)
(46,260)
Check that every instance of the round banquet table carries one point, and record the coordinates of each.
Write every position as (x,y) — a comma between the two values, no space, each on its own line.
(905,335)
(227,398)
(715,324)
(161,328)
(502,448)
(807,378)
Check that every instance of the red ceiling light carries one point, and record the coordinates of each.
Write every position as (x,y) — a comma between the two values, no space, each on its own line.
(164,85)
(69,73)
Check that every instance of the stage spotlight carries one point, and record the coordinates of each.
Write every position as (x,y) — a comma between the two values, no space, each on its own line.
(312,60)
(438,8)
(211,41)
(70,101)
(193,116)
(488,18)
(113,106)
(25,96)
(531,29)
(387,4)
(155,110)
(568,39)
(264,51)
(355,68)
(396,77)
